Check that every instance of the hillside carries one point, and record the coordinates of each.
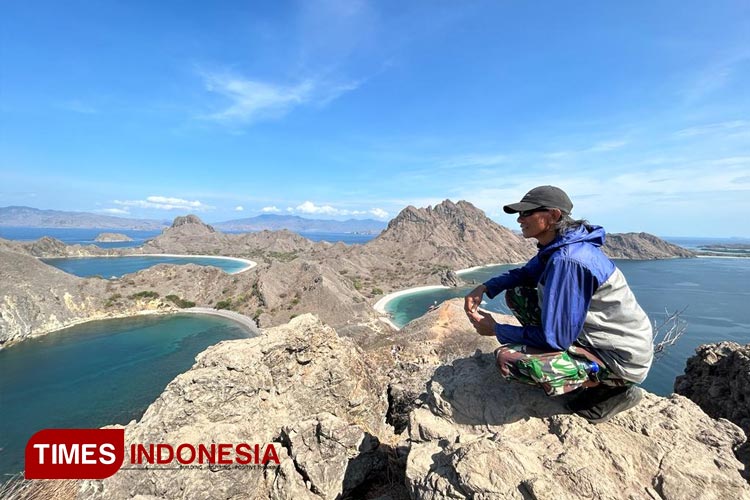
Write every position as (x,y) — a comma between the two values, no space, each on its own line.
(450,234)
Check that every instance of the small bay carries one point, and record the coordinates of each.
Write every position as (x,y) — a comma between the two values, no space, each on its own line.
(115,267)
(97,373)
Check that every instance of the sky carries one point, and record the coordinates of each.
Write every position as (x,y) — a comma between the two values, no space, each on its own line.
(341,109)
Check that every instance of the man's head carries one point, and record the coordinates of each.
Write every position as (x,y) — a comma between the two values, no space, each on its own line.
(542,197)
(540,211)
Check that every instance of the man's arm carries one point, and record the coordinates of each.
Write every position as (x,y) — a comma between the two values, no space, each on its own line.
(568,289)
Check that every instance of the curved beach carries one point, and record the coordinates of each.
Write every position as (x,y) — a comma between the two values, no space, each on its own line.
(379,306)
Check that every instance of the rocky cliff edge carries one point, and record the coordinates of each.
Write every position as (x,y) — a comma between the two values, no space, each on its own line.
(327,403)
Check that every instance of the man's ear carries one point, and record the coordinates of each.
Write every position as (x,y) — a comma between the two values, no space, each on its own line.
(556,214)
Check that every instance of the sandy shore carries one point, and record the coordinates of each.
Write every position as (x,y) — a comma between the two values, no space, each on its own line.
(469,269)
(248,323)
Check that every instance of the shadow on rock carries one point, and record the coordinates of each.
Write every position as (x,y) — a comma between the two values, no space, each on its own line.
(470,391)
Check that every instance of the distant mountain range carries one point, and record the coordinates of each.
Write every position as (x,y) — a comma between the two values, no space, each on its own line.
(33,217)
(301,225)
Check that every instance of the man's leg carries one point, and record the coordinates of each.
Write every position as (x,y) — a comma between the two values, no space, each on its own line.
(554,371)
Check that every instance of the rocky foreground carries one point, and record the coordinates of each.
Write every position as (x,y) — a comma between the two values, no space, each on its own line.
(421,415)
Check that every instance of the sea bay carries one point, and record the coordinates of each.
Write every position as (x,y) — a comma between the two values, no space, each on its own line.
(97,373)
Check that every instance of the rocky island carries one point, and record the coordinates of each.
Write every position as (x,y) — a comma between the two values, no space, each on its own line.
(112,237)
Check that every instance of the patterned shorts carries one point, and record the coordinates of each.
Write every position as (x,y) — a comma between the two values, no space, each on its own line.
(557,372)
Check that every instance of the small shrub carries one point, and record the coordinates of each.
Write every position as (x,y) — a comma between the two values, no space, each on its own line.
(224,304)
(146,294)
(377,291)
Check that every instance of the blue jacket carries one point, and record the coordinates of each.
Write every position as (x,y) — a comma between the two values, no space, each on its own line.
(583,297)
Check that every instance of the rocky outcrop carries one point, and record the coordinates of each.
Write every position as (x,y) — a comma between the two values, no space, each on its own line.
(452,234)
(321,401)
(112,237)
(641,246)
(312,395)
(717,378)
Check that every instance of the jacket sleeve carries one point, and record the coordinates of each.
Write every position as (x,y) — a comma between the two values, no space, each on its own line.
(527,275)
(568,289)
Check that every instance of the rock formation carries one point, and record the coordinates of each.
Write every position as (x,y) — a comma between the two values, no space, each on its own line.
(717,379)
(321,401)
(641,246)
(300,387)
(112,237)
(451,234)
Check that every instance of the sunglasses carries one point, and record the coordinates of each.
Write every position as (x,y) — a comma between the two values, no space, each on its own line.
(526,213)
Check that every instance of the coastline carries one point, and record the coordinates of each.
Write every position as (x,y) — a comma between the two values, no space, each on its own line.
(379,306)
(245,321)
(475,268)
(249,264)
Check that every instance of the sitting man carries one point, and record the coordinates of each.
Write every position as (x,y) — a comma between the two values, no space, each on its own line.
(581,325)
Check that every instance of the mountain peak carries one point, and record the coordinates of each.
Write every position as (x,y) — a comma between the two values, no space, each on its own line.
(191,220)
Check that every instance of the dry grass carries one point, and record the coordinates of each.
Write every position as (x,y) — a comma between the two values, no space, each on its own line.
(18,488)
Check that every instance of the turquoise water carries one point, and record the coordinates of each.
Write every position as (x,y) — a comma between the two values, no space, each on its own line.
(715,292)
(114,267)
(98,373)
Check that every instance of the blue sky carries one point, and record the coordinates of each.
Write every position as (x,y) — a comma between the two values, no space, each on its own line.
(338,109)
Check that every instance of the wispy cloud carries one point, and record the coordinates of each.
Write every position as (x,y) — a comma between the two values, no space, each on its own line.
(715,76)
(254,100)
(239,208)
(114,211)
(730,127)
(165,203)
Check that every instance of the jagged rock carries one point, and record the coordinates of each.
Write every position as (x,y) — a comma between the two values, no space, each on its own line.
(455,234)
(300,386)
(717,379)
(641,246)
(450,278)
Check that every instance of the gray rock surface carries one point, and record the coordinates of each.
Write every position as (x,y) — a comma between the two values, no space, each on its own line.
(717,379)
(299,386)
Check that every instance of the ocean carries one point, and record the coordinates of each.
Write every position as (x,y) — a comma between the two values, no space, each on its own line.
(95,374)
(86,236)
(115,267)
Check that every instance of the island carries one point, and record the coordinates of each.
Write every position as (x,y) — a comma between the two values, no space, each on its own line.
(112,237)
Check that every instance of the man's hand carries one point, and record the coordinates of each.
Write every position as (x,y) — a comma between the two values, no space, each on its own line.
(473,299)
(483,322)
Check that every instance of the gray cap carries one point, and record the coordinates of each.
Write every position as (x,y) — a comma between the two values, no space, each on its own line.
(542,196)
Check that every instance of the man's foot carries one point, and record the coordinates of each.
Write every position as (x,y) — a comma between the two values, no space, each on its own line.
(603,402)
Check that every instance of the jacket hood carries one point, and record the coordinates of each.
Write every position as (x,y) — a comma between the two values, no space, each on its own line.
(588,234)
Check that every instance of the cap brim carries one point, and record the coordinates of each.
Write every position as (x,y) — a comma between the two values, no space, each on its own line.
(514,208)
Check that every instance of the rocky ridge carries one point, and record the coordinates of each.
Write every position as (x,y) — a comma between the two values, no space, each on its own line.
(642,246)
(326,405)
(112,237)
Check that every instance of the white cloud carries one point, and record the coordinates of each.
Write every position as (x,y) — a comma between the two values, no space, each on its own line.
(309,207)
(239,208)
(270,210)
(115,211)
(165,203)
(253,100)
(379,213)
